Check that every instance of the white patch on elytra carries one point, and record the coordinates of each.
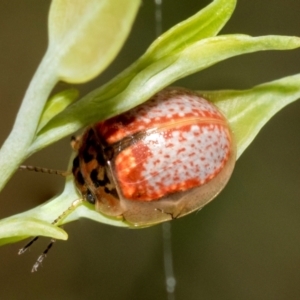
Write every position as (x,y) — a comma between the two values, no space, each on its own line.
(178,103)
(202,154)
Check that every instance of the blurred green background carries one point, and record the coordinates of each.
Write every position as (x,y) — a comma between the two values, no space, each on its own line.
(243,245)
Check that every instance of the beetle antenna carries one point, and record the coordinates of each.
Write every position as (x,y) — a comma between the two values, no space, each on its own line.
(42,256)
(24,249)
(44,170)
(40,259)
(47,171)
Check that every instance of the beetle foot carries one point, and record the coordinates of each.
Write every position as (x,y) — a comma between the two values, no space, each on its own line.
(167,213)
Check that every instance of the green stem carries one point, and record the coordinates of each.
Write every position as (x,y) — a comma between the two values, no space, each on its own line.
(14,149)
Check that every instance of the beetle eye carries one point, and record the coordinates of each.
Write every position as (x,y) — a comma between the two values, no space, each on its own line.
(90,197)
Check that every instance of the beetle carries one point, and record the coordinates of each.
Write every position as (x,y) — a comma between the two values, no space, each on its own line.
(158,161)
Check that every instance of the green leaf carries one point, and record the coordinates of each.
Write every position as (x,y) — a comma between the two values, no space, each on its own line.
(85,36)
(249,110)
(98,106)
(206,23)
(37,221)
(17,228)
(56,104)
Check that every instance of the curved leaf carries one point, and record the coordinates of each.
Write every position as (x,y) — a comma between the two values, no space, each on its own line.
(85,36)
(37,221)
(206,23)
(56,104)
(97,106)
(249,110)
(17,228)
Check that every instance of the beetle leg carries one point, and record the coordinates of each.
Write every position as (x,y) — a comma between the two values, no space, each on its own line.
(167,213)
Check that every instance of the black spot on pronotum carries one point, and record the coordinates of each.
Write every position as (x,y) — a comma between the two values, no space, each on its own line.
(87,157)
(108,153)
(79,178)
(94,177)
(90,135)
(100,159)
(75,164)
(97,181)
(112,192)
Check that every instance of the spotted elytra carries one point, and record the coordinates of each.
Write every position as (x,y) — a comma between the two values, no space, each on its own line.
(161,160)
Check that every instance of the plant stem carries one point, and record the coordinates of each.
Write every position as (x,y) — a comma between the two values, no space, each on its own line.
(14,149)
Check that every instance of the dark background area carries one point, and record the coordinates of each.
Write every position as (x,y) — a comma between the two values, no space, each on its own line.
(243,245)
